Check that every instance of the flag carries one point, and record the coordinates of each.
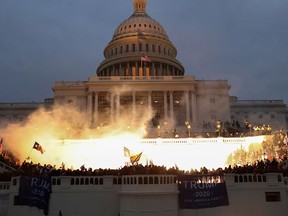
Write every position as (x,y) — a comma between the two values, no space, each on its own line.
(126,152)
(145,58)
(135,158)
(38,147)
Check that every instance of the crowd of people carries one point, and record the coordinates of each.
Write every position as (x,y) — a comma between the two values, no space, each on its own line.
(234,129)
(32,169)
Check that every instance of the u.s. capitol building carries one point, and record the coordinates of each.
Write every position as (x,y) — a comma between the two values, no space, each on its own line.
(140,73)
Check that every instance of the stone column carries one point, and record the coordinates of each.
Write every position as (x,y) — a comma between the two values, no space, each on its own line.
(89,106)
(187,106)
(171,105)
(120,70)
(153,69)
(128,69)
(112,108)
(96,108)
(165,106)
(194,107)
(117,106)
(137,69)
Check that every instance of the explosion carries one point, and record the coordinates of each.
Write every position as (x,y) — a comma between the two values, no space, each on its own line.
(66,137)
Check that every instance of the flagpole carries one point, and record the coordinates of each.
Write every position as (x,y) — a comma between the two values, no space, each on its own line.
(141,67)
(30,153)
(141,64)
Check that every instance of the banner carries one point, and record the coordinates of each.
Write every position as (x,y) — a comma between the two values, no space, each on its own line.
(35,191)
(202,191)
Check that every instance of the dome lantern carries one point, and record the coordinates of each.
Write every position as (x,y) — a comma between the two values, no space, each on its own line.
(139,6)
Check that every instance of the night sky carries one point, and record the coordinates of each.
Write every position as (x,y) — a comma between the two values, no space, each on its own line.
(242,41)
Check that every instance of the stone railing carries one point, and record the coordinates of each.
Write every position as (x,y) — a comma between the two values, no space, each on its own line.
(150,182)
(141,78)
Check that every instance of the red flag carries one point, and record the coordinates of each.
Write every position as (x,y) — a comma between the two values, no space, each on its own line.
(145,58)
(38,147)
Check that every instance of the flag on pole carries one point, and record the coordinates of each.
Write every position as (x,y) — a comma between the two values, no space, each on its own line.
(145,58)
(126,152)
(38,147)
(135,158)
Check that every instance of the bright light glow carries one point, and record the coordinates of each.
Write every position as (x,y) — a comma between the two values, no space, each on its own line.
(109,153)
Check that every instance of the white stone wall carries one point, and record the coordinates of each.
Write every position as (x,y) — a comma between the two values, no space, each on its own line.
(246,197)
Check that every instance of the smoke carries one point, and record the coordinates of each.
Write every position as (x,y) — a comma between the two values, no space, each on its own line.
(60,123)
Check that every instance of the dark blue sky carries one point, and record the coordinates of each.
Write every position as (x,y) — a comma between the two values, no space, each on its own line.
(242,41)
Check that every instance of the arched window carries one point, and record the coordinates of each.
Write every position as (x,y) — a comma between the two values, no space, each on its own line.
(140,181)
(156,180)
(133,48)
(147,47)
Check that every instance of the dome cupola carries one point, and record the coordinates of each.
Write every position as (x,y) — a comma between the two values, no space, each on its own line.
(139,6)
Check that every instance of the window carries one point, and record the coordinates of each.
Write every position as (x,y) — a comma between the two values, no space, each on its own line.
(273,196)
(133,48)
(212,100)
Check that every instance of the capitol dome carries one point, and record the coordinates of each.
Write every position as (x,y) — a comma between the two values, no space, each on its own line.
(140,47)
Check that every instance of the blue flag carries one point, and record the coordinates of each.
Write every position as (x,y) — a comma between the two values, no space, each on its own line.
(202,191)
(35,191)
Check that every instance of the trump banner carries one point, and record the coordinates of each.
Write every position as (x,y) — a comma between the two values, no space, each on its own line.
(35,191)
(202,191)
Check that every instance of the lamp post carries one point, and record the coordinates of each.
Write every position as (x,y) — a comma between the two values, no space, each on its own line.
(187,123)
(158,130)
(189,130)
(219,128)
